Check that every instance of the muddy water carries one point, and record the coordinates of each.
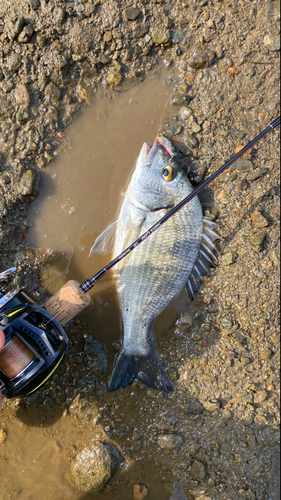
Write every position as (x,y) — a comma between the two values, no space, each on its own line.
(81,193)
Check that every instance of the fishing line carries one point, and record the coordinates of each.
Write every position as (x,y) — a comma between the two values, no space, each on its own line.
(161,116)
(88,284)
(14,357)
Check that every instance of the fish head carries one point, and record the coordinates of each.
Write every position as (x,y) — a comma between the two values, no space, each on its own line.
(158,181)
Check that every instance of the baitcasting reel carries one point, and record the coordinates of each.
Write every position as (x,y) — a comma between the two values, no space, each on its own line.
(35,343)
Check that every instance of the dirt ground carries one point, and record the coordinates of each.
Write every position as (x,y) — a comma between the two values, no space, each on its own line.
(220,61)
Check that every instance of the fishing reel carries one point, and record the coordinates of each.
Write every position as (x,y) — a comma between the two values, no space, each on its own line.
(35,343)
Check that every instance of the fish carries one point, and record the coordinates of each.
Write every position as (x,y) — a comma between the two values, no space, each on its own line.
(174,258)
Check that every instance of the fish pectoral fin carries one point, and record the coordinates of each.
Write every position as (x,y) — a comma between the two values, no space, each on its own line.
(105,241)
(146,368)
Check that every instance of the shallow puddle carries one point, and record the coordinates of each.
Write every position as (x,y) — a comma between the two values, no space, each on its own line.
(81,193)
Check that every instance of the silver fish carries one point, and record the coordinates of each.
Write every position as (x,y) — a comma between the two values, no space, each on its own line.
(177,255)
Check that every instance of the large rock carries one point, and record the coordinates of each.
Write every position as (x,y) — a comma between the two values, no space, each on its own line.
(94,466)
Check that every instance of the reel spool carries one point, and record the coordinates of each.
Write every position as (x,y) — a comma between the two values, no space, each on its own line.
(35,344)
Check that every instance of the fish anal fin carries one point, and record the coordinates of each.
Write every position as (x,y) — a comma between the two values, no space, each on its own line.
(105,241)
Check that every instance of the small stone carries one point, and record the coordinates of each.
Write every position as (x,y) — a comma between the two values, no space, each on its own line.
(242,164)
(193,408)
(201,58)
(3,435)
(25,34)
(181,100)
(114,78)
(29,183)
(191,140)
(184,113)
(22,115)
(239,336)
(272,42)
(14,62)
(195,127)
(84,93)
(258,220)
(140,491)
(257,173)
(93,468)
(232,71)
(131,13)
(260,396)
(168,22)
(197,470)
(52,90)
(256,241)
(212,405)
(160,36)
(169,441)
(226,323)
(107,36)
(228,258)
(41,40)
(21,95)
(266,354)
(178,492)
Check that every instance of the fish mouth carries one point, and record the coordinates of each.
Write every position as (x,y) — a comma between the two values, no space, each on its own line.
(148,153)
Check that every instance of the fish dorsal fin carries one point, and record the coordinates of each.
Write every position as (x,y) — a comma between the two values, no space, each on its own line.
(105,241)
(206,259)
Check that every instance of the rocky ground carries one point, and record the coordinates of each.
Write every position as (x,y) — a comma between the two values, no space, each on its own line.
(216,435)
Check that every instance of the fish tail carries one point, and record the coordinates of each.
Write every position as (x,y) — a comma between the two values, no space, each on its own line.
(147,369)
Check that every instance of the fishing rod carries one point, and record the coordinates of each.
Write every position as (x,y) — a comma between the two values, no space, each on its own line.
(65,308)
(35,342)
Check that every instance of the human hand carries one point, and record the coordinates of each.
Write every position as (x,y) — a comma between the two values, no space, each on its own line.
(2,342)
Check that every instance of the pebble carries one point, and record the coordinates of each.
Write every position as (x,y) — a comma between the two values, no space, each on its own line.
(184,113)
(243,164)
(260,396)
(239,336)
(21,95)
(257,173)
(14,62)
(228,258)
(52,90)
(25,34)
(131,13)
(197,470)
(92,469)
(140,491)
(256,241)
(169,441)
(114,78)
(178,492)
(266,354)
(22,115)
(212,405)
(258,220)
(201,58)
(84,93)
(160,36)
(29,183)
(193,408)
(272,42)
(232,71)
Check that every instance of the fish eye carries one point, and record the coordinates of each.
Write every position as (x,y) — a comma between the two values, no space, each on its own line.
(168,173)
